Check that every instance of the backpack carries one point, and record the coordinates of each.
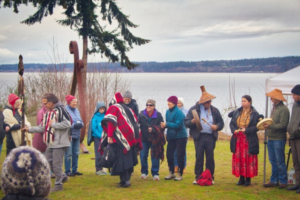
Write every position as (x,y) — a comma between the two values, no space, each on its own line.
(205,179)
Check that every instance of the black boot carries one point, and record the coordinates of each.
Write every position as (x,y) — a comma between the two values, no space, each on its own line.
(247,182)
(241,181)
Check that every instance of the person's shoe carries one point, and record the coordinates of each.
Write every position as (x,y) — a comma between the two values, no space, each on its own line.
(53,175)
(270,184)
(101,173)
(170,176)
(294,187)
(298,191)
(212,182)
(57,188)
(65,179)
(121,183)
(125,185)
(195,182)
(143,176)
(178,178)
(77,173)
(156,177)
(176,169)
(282,186)
(241,182)
(70,174)
(247,183)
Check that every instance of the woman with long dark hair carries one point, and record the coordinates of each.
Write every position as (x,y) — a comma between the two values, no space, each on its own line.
(244,141)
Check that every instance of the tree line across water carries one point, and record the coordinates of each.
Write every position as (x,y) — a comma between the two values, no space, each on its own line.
(275,64)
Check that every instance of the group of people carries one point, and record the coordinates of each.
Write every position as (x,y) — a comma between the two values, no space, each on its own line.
(121,127)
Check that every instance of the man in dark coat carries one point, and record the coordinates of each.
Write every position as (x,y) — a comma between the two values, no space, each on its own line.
(205,139)
(131,103)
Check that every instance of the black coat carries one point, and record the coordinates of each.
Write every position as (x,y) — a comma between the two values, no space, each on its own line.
(2,128)
(133,105)
(217,120)
(146,122)
(250,131)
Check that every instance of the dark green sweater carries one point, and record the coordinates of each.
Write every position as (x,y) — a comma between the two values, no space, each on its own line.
(294,125)
(281,116)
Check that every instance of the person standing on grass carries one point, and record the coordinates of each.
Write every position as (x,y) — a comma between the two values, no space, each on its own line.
(294,131)
(121,132)
(176,137)
(131,103)
(3,128)
(180,105)
(95,133)
(72,153)
(56,127)
(276,133)
(152,137)
(244,142)
(13,118)
(204,140)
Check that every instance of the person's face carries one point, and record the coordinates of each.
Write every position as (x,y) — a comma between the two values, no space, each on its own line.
(274,101)
(126,100)
(49,105)
(296,97)
(17,104)
(179,104)
(73,103)
(102,110)
(171,105)
(150,107)
(207,104)
(245,103)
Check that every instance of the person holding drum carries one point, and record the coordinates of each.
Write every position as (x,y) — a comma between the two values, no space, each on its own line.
(276,133)
(204,122)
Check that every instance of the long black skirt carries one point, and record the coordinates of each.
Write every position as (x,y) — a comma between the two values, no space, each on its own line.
(124,161)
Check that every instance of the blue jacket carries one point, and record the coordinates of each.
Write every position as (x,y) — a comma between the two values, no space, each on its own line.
(175,124)
(95,128)
(76,118)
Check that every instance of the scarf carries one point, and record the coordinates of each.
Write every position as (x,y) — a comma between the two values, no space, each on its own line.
(57,114)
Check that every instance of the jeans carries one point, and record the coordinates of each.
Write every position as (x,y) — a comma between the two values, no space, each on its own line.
(277,159)
(144,160)
(72,153)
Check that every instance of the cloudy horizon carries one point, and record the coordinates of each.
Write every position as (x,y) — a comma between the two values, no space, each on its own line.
(190,30)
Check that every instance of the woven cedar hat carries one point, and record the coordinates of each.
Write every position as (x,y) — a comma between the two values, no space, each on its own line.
(276,94)
(205,95)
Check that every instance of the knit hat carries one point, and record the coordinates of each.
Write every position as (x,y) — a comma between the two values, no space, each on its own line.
(116,99)
(173,99)
(127,94)
(205,95)
(151,101)
(181,100)
(12,98)
(276,94)
(26,172)
(296,90)
(69,99)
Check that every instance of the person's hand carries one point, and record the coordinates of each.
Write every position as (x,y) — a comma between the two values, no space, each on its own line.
(236,131)
(265,125)
(149,129)
(214,127)
(7,128)
(110,140)
(193,121)
(25,128)
(162,124)
(50,123)
(243,130)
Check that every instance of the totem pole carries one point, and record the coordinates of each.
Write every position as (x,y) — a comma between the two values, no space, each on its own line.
(77,80)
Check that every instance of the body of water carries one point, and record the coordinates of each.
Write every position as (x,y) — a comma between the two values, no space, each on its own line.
(159,86)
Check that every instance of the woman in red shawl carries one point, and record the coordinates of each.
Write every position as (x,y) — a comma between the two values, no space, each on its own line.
(121,131)
(244,142)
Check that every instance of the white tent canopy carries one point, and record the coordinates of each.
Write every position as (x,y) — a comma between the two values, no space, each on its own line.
(285,81)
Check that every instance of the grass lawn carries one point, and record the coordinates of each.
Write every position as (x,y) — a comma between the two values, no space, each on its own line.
(91,186)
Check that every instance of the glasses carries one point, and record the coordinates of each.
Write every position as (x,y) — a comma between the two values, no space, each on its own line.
(150,105)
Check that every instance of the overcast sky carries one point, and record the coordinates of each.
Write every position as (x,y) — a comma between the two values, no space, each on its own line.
(180,30)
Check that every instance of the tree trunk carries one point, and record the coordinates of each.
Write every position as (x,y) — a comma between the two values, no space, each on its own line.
(84,58)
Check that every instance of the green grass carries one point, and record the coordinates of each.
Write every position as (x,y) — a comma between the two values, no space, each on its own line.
(91,186)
